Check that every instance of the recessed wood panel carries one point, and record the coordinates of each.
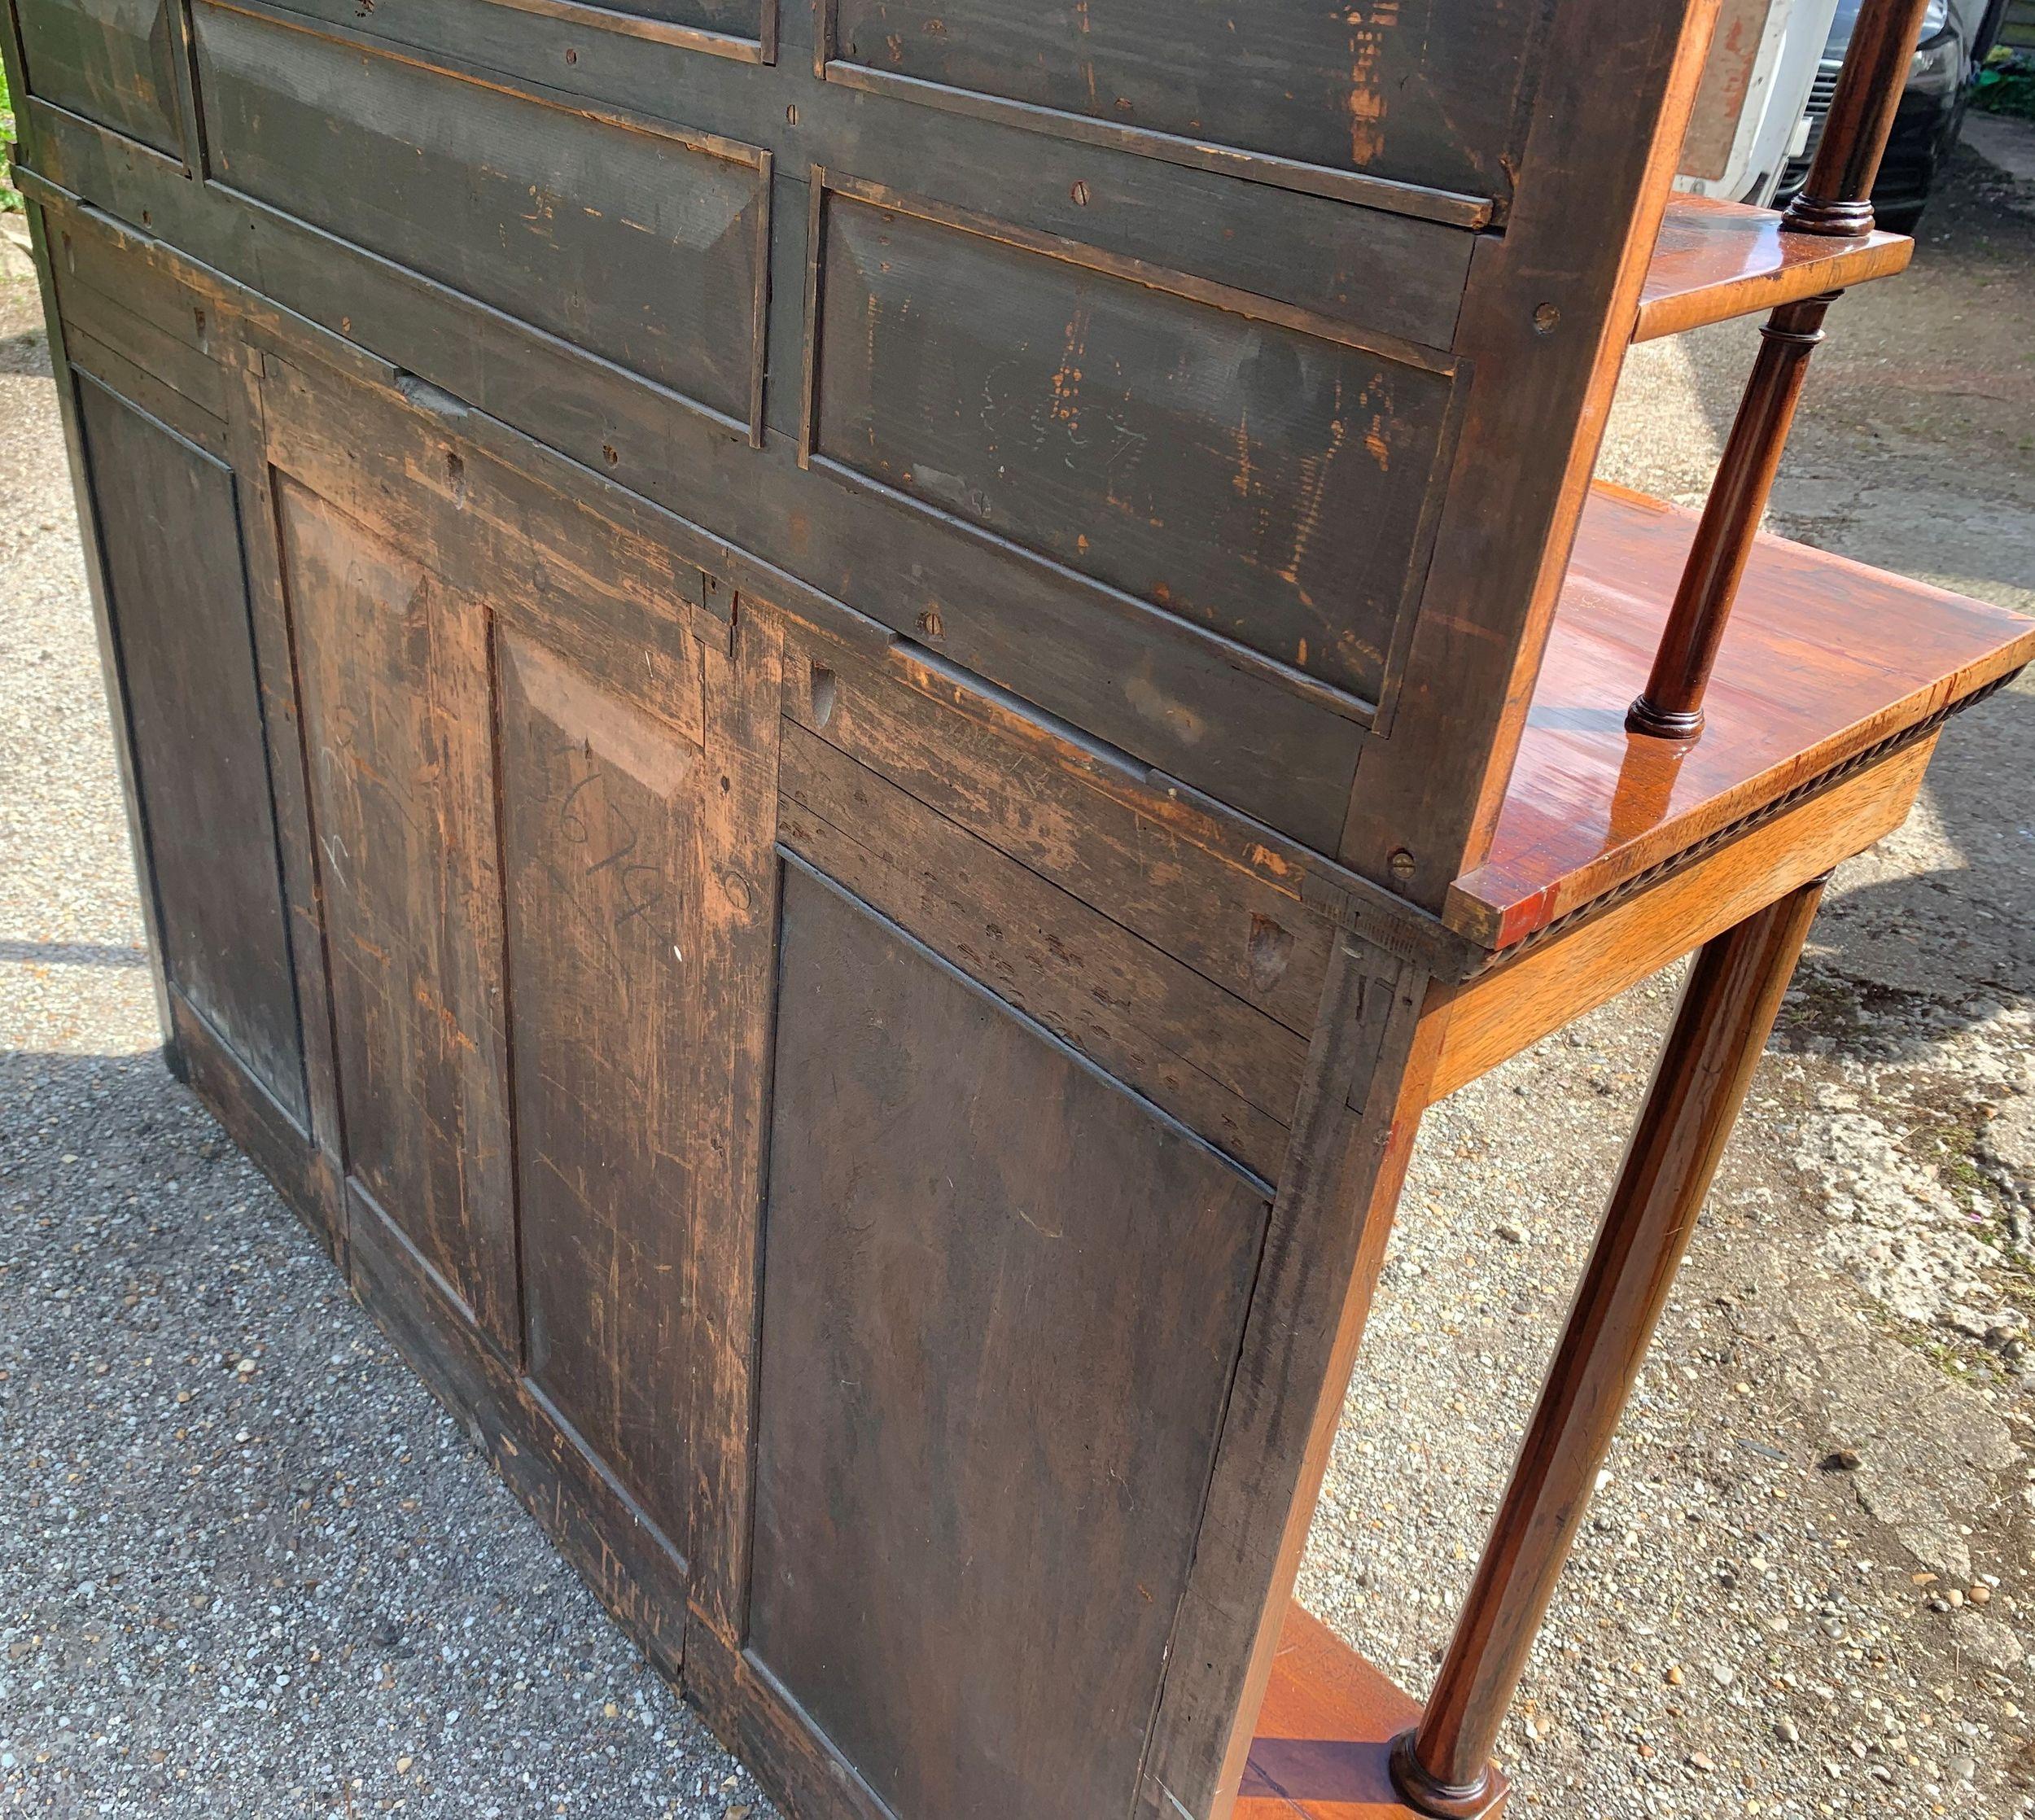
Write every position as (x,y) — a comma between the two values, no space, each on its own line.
(596,827)
(112,61)
(1002,1299)
(170,529)
(1236,471)
(1418,91)
(392,671)
(642,244)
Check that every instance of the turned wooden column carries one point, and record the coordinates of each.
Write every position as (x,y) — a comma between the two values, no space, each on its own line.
(1837,200)
(1727,1012)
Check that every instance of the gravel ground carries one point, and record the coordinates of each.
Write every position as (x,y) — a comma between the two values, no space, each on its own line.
(247,1566)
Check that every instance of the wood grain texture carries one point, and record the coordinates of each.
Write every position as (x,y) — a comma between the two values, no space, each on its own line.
(1353,1134)
(582,226)
(1167,441)
(1715,260)
(275,656)
(393,665)
(1824,659)
(831,607)
(1548,314)
(1324,1733)
(1005,1299)
(1204,887)
(1227,1072)
(178,599)
(112,62)
(736,867)
(1419,94)
(598,848)
(1497,1014)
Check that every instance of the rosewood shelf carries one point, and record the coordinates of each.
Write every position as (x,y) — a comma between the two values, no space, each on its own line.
(1325,1732)
(1827,659)
(1717,260)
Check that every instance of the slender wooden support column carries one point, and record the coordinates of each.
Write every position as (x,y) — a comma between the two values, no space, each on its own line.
(1726,1012)
(1672,703)
(1836,200)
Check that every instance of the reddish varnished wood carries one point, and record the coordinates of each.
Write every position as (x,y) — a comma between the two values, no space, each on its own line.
(1323,1733)
(1728,1007)
(1826,659)
(1715,260)
(1836,202)
(1671,704)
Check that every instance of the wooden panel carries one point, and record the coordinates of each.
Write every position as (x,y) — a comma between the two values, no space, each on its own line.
(1824,659)
(635,240)
(1003,1300)
(1417,91)
(112,61)
(393,673)
(181,358)
(1176,443)
(1201,709)
(1229,1073)
(1715,260)
(1209,889)
(597,834)
(177,597)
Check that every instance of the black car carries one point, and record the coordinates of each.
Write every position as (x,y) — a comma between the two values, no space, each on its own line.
(1956,34)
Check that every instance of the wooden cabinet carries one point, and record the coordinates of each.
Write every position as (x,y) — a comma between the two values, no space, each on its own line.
(838,713)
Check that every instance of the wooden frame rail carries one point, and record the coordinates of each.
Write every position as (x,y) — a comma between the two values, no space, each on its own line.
(1835,201)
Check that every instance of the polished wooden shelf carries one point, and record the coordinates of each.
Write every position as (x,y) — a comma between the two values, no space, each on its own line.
(1715,260)
(1325,1732)
(1825,660)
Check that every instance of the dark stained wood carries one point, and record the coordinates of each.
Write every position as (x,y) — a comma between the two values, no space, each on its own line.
(878,651)
(92,551)
(1549,307)
(1352,1131)
(744,29)
(1715,260)
(1324,1732)
(1034,391)
(288,769)
(597,837)
(1227,1072)
(112,62)
(487,195)
(155,334)
(393,665)
(1196,885)
(977,1370)
(178,597)
(1827,658)
(1419,94)
(1728,1005)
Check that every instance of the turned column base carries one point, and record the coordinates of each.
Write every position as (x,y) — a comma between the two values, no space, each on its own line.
(1425,1795)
